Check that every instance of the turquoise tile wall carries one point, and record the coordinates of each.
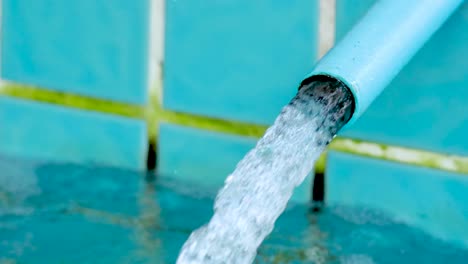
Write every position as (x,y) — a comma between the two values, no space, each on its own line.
(348,12)
(54,133)
(92,48)
(234,60)
(237,60)
(425,107)
(432,200)
(206,158)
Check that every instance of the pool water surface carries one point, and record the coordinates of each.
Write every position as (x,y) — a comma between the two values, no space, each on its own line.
(65,213)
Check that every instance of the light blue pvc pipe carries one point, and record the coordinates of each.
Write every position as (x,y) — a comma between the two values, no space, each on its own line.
(382,42)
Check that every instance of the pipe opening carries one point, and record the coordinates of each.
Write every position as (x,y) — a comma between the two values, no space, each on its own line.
(334,84)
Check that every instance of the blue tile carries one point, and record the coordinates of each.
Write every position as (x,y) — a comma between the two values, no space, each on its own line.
(435,201)
(93,48)
(425,106)
(348,12)
(237,60)
(47,132)
(206,158)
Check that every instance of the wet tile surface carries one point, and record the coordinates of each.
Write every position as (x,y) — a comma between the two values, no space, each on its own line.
(206,158)
(97,49)
(431,199)
(238,60)
(50,132)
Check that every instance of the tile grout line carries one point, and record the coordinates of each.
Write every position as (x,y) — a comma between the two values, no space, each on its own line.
(399,154)
(157,40)
(75,101)
(327,22)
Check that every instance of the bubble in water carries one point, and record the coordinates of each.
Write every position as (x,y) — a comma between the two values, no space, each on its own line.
(258,190)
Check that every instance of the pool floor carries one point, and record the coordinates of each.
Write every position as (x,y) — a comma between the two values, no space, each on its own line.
(63,213)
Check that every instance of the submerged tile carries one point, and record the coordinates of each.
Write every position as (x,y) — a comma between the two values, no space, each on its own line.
(47,211)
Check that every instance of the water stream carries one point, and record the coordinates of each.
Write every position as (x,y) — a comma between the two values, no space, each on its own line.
(258,190)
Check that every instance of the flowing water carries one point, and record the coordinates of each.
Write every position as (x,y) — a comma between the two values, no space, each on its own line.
(258,190)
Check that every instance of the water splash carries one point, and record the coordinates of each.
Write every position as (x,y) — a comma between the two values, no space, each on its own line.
(258,190)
